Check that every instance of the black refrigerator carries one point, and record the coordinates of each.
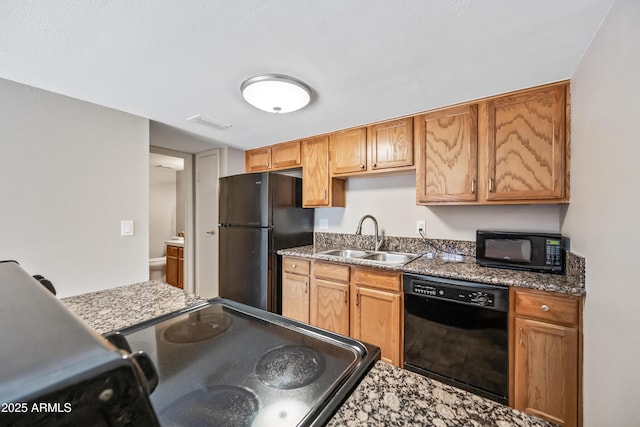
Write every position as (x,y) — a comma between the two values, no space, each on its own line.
(260,213)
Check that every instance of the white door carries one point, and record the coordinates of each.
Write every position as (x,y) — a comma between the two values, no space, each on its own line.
(207,173)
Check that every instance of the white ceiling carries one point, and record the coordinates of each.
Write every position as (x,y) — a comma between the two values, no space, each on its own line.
(365,60)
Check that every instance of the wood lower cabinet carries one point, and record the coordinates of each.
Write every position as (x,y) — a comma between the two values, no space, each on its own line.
(330,297)
(546,356)
(295,289)
(319,189)
(175,266)
(364,303)
(376,312)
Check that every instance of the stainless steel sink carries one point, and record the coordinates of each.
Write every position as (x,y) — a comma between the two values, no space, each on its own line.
(390,257)
(346,253)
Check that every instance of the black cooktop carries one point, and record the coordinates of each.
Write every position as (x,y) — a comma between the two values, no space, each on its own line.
(233,365)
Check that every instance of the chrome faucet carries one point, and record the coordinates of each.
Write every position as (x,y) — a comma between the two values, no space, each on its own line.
(378,239)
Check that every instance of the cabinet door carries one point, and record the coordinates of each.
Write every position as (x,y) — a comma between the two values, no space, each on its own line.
(286,155)
(330,306)
(526,145)
(172,265)
(447,169)
(546,371)
(376,320)
(295,297)
(348,151)
(315,173)
(257,160)
(181,268)
(391,144)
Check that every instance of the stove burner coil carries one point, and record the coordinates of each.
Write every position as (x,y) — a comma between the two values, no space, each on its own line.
(290,366)
(197,327)
(224,405)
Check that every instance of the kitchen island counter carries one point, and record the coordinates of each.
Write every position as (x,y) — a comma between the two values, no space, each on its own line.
(386,396)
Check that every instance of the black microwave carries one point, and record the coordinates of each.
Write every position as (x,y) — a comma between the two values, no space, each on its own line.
(541,252)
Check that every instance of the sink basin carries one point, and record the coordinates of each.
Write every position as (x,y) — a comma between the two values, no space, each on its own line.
(390,257)
(346,253)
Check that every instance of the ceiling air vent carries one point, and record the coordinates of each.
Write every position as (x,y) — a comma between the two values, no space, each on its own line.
(199,118)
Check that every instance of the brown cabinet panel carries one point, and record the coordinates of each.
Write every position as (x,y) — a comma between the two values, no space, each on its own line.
(526,145)
(180,268)
(376,318)
(295,297)
(447,143)
(331,271)
(296,265)
(330,306)
(391,144)
(348,151)
(379,279)
(257,160)
(318,188)
(546,371)
(550,308)
(286,155)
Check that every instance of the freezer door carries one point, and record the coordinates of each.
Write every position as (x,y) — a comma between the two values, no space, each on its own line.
(244,200)
(245,266)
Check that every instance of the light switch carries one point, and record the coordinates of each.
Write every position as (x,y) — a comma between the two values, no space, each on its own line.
(126,228)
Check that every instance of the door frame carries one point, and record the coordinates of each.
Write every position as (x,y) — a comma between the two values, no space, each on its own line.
(189,241)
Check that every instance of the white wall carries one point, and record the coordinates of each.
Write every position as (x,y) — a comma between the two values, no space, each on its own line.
(162,208)
(603,216)
(392,200)
(70,172)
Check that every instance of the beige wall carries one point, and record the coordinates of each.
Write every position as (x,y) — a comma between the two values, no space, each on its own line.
(392,200)
(70,172)
(603,216)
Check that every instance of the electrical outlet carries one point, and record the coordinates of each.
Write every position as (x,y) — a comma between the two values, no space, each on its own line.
(420,227)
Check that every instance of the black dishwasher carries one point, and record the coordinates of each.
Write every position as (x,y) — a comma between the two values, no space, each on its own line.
(457,332)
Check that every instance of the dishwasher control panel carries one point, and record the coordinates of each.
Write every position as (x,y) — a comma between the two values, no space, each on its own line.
(470,293)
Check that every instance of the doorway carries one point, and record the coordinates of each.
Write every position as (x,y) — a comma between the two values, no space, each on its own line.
(170,212)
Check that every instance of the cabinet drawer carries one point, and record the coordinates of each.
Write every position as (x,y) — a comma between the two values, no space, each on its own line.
(329,271)
(296,265)
(544,306)
(172,251)
(377,279)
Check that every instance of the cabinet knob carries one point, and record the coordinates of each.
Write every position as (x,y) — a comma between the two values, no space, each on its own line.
(267,165)
(375,165)
(544,307)
(294,265)
(275,163)
(361,166)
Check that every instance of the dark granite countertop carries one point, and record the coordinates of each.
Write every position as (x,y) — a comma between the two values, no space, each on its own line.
(461,270)
(387,396)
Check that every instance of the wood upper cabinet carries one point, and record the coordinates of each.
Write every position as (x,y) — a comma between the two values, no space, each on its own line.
(390,144)
(319,189)
(348,151)
(376,312)
(447,144)
(546,357)
(274,157)
(526,145)
(330,297)
(295,289)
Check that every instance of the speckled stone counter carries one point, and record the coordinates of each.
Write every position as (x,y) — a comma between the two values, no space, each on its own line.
(124,306)
(465,270)
(389,396)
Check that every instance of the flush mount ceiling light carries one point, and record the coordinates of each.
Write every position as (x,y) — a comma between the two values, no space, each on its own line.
(276,93)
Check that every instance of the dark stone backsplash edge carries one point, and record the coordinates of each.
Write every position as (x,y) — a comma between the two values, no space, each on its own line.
(574,270)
